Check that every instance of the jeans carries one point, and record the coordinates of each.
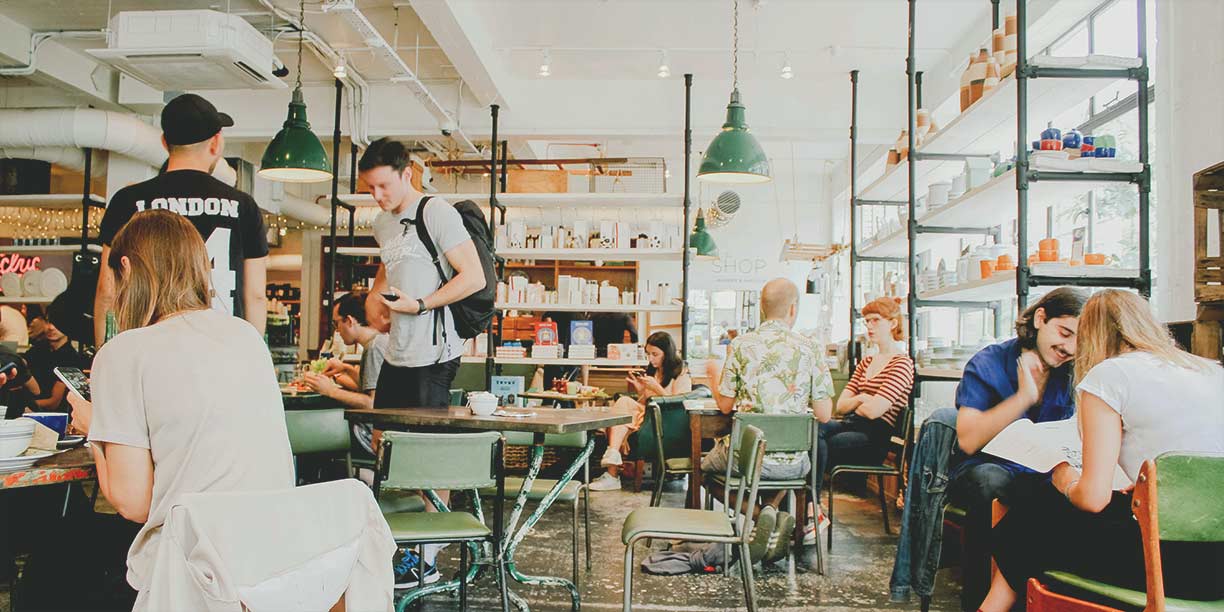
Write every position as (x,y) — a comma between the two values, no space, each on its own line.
(852,440)
(974,488)
(715,461)
(423,387)
(922,519)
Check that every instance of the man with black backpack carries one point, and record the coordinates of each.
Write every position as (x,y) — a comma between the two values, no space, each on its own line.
(417,287)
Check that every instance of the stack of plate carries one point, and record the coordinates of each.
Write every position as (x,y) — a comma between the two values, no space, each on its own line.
(15,436)
(34,283)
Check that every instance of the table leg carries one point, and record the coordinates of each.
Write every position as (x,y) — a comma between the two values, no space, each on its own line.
(694,485)
(515,536)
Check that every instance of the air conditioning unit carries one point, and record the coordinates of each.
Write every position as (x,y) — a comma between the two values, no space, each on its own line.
(190,50)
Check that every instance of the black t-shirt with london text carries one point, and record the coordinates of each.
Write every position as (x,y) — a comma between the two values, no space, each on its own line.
(229,221)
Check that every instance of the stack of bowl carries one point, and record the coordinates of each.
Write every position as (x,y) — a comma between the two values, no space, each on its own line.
(15,436)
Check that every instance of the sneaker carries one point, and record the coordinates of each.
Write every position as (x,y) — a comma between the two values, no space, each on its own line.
(761,532)
(611,457)
(406,571)
(780,538)
(810,530)
(809,534)
(606,482)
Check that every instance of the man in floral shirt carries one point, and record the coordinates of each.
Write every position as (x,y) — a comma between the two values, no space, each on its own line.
(774,370)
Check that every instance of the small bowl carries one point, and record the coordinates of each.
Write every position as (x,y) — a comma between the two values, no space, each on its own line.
(15,437)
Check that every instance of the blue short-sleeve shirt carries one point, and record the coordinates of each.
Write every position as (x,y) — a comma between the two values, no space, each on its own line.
(991,377)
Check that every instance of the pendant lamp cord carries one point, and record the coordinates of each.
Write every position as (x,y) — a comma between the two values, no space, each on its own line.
(301,36)
(735,45)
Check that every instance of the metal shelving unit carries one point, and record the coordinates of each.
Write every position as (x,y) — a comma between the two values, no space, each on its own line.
(976,132)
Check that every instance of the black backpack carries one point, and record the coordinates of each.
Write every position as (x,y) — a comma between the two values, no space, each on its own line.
(474,313)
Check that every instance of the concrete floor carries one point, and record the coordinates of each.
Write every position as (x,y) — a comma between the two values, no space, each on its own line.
(857,570)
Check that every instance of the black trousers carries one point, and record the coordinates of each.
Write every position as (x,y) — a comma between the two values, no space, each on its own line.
(974,487)
(1046,533)
(426,386)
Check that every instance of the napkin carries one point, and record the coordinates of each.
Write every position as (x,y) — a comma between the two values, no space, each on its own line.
(44,438)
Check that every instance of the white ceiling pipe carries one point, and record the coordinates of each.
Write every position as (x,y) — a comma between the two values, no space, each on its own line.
(285,262)
(403,74)
(319,213)
(58,136)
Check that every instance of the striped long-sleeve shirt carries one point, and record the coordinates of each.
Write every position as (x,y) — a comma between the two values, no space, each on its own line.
(893,383)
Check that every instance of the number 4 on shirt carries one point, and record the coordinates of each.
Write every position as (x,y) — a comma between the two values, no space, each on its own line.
(224,278)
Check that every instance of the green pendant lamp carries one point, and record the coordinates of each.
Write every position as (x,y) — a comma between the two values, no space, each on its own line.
(701,240)
(735,156)
(295,155)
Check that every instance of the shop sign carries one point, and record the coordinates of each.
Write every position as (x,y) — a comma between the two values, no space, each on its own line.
(20,264)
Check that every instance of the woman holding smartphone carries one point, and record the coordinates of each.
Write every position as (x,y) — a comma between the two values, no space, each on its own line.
(185,398)
(665,374)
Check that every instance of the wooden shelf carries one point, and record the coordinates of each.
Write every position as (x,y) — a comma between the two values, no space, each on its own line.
(1000,285)
(55,200)
(562,362)
(946,373)
(587,307)
(25,300)
(547,200)
(49,248)
(591,254)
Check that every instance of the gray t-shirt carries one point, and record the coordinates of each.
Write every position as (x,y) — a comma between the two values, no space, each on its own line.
(372,360)
(199,391)
(413,342)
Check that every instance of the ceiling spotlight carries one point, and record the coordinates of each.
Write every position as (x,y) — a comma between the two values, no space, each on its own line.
(545,64)
(787,71)
(664,69)
(341,69)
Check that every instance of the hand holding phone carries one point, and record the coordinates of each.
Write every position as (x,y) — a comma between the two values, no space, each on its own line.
(390,297)
(76,381)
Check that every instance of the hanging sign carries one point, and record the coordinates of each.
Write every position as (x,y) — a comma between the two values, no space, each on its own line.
(14,262)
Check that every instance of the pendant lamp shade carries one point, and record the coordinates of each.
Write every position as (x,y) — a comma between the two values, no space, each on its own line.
(295,155)
(735,156)
(701,240)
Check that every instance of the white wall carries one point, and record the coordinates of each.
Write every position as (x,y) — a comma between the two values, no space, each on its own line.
(1190,124)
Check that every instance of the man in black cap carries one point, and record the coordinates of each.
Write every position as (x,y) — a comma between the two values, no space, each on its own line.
(229,220)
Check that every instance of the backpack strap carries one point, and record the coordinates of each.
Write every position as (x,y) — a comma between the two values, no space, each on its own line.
(423,233)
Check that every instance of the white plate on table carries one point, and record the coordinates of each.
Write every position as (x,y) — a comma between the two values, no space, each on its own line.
(54,282)
(10,283)
(31,283)
(70,442)
(14,464)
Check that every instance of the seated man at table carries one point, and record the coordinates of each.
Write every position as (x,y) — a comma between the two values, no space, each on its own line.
(1029,377)
(773,370)
(354,387)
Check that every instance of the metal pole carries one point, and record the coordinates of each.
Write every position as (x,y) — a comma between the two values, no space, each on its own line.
(505,174)
(853,353)
(918,83)
(994,16)
(1022,160)
(491,346)
(1145,183)
(911,223)
(335,197)
(85,203)
(688,154)
(352,189)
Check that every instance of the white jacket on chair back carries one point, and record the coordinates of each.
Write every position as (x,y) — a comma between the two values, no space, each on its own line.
(298,549)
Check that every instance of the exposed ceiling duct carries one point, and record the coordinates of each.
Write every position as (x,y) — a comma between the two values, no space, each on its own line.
(402,73)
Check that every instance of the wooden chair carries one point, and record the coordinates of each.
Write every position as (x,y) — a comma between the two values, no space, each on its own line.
(1176,498)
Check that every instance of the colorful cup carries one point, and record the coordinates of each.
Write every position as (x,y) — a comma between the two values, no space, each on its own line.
(56,421)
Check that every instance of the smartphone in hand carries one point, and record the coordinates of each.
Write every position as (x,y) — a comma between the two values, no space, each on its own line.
(76,381)
(390,297)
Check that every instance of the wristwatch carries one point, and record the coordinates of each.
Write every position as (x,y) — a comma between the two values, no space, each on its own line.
(421,307)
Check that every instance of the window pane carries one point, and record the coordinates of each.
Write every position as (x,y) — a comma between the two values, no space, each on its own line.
(1116,30)
(1075,43)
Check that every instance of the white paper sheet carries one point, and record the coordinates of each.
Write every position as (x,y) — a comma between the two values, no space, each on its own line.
(1042,446)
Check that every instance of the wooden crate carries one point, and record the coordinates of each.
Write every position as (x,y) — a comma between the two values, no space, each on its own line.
(1209,211)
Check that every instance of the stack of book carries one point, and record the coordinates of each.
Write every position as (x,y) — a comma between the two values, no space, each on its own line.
(582,351)
(546,351)
(511,351)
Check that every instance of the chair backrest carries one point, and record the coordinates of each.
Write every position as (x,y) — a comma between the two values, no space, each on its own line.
(1189,488)
(667,435)
(749,464)
(444,461)
(526,438)
(785,432)
(317,431)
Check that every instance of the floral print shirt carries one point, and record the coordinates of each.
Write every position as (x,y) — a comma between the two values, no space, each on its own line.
(775,370)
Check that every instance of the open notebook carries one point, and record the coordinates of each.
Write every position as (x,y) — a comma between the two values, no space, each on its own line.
(1042,446)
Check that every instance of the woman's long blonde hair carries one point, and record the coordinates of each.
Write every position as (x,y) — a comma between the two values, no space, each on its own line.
(168,270)
(1114,322)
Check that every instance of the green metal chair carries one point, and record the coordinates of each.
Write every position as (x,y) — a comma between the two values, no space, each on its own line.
(569,493)
(316,432)
(1176,498)
(410,461)
(786,433)
(900,442)
(665,438)
(702,525)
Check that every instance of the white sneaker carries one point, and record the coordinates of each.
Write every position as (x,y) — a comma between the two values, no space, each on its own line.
(611,457)
(810,530)
(606,482)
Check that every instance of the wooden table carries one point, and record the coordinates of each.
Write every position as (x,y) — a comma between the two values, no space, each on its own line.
(580,401)
(308,401)
(546,421)
(704,424)
(69,466)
